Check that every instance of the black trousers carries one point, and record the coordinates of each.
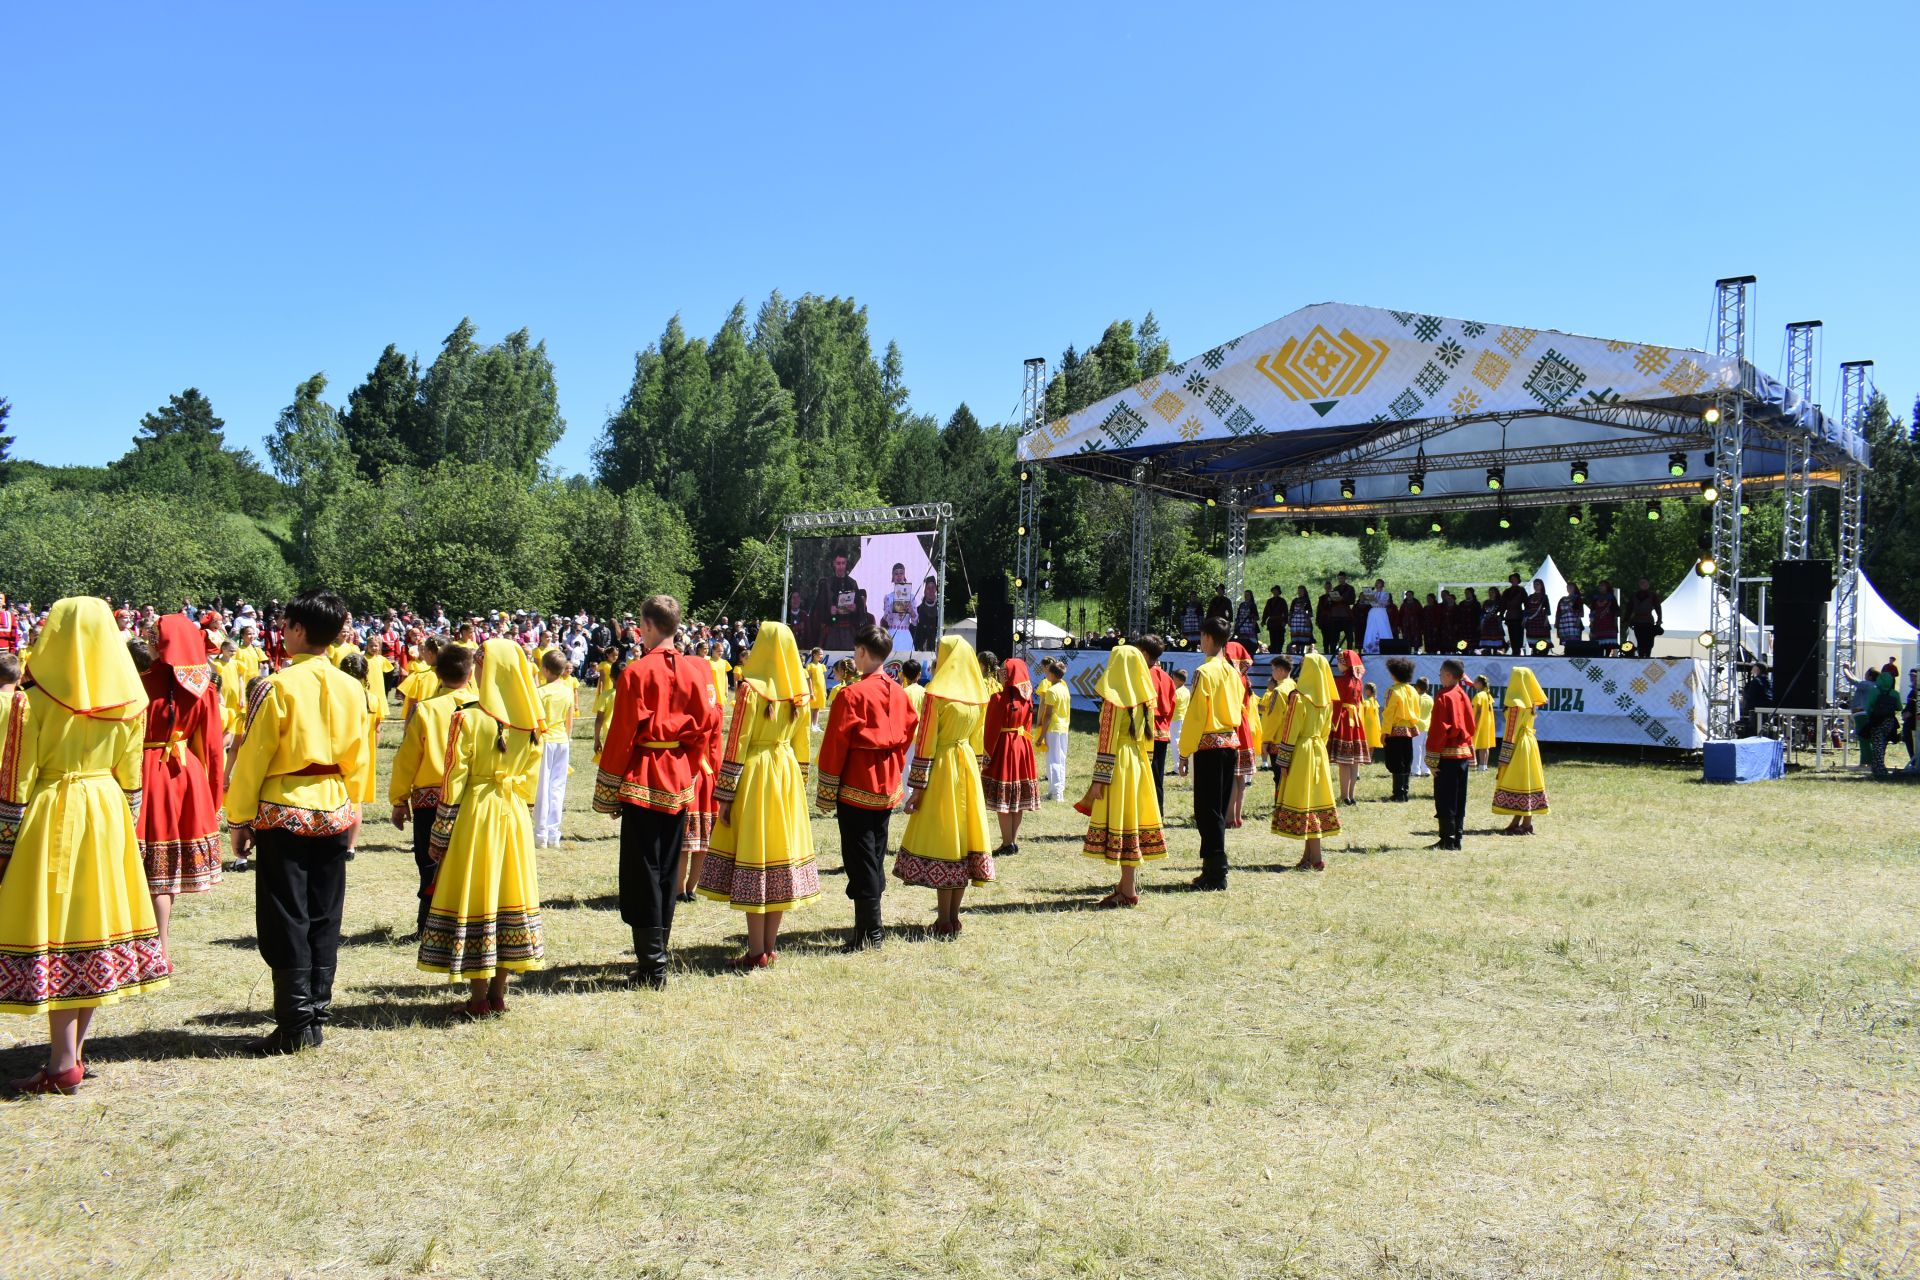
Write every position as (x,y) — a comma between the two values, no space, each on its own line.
(1212,793)
(1516,635)
(649,865)
(1160,774)
(863,849)
(299,892)
(1332,638)
(1398,754)
(1642,641)
(422,838)
(1450,796)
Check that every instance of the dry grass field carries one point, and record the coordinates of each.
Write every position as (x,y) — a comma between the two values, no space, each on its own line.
(1672,1035)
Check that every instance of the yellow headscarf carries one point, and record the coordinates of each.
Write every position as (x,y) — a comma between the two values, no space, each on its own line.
(773,668)
(956,673)
(1125,682)
(1314,680)
(82,663)
(503,685)
(1523,689)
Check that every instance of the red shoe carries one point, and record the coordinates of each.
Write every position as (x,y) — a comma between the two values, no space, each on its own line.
(744,961)
(496,1005)
(46,1081)
(1112,900)
(1130,900)
(765,959)
(474,1010)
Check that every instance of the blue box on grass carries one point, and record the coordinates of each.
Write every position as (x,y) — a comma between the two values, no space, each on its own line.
(1743,760)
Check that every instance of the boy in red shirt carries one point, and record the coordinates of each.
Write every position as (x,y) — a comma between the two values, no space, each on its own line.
(869,728)
(1450,753)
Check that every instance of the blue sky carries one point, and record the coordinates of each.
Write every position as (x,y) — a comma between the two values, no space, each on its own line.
(233,197)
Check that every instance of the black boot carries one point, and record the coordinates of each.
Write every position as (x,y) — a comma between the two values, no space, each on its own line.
(291,999)
(867,934)
(420,922)
(650,954)
(319,1005)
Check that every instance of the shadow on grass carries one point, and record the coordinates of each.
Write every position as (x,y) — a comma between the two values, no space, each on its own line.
(378,936)
(168,1045)
(601,902)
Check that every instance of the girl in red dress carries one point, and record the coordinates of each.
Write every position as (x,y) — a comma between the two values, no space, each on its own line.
(1010,777)
(183,769)
(1348,744)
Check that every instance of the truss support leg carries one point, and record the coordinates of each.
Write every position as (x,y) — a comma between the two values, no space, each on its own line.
(1142,535)
(1236,544)
(1729,437)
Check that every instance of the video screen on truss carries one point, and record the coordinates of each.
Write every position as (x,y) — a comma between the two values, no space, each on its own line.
(840,584)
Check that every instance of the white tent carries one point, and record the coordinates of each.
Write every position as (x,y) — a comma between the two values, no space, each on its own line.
(1687,614)
(1549,574)
(1045,634)
(1879,633)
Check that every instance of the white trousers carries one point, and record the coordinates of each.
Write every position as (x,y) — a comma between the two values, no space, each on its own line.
(1420,769)
(1057,764)
(551,797)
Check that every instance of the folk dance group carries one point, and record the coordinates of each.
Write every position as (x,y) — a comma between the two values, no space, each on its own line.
(113,780)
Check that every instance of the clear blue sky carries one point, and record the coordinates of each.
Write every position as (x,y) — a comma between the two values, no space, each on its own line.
(233,196)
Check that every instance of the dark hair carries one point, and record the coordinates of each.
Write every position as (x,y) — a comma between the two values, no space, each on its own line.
(553,664)
(910,671)
(874,641)
(1281,660)
(1454,665)
(989,663)
(141,653)
(1216,630)
(318,612)
(1400,669)
(1151,645)
(454,666)
(663,612)
(355,665)
(1421,684)
(9,668)
(253,687)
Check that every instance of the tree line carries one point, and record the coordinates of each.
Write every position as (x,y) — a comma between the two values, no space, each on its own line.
(431,485)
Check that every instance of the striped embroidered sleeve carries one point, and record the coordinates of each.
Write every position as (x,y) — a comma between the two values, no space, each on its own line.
(1103,758)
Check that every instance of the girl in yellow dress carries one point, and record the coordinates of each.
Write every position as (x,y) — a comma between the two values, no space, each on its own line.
(77,929)
(603,704)
(1520,788)
(1485,732)
(421,683)
(484,920)
(944,847)
(360,667)
(761,858)
(1123,811)
(1370,717)
(1303,801)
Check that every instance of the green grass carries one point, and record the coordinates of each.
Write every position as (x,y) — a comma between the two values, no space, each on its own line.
(1672,1035)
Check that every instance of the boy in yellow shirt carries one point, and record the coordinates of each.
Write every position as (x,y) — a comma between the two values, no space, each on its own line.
(1051,723)
(1211,737)
(556,749)
(303,759)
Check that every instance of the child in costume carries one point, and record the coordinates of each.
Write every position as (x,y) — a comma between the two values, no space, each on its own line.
(1485,733)
(1123,811)
(556,749)
(1520,788)
(1303,800)
(944,847)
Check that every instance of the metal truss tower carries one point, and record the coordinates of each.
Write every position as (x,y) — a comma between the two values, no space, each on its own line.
(1026,558)
(1236,500)
(1729,436)
(1142,536)
(1856,391)
(1798,486)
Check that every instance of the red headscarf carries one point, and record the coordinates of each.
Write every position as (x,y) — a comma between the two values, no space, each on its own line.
(1348,686)
(179,642)
(1237,653)
(1014,676)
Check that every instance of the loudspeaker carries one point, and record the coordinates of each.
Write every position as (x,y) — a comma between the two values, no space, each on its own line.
(996,618)
(1584,649)
(1802,582)
(1799,640)
(1391,647)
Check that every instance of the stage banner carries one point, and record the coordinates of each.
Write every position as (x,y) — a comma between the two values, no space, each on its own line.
(1647,702)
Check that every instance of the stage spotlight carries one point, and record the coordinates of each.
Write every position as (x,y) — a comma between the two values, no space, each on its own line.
(1711,416)
(1212,500)
(1025,475)
(1304,533)
(1416,483)
(1505,523)
(1745,510)
(1021,531)
(1709,494)
(1579,473)
(1706,566)
(1461,645)
(1434,527)
(1626,646)
(1539,646)
(1020,582)
(1676,465)
(1046,584)
(1347,487)
(1371,531)
(1706,640)
(1573,517)
(1496,477)
(1653,511)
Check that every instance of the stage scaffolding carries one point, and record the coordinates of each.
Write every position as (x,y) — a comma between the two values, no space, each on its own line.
(1300,421)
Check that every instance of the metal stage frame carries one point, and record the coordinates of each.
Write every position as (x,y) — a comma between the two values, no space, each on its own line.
(940,513)
(1722,425)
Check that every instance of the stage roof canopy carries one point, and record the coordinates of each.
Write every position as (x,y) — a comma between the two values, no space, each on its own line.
(1337,397)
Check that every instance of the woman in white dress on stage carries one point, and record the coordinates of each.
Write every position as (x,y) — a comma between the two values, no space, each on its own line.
(1378,627)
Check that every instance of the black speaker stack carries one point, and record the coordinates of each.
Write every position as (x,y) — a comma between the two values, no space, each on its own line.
(1798,613)
(996,618)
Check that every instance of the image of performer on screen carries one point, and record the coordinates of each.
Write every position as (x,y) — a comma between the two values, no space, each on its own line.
(924,638)
(838,606)
(898,614)
(799,619)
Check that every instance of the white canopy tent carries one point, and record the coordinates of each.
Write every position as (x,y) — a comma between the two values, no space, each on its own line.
(1685,616)
(1045,634)
(1555,581)
(1880,633)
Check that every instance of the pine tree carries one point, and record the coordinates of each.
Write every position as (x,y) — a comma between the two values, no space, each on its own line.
(385,422)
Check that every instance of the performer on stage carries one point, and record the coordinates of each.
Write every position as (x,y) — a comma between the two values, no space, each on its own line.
(664,717)
(1486,734)
(1450,753)
(1123,822)
(295,773)
(1603,617)
(484,922)
(1643,616)
(1009,778)
(183,770)
(1412,622)
(861,754)
(1052,720)
(76,924)
(1536,618)
(1348,744)
(944,847)
(556,749)
(1378,626)
(1400,726)
(420,766)
(1210,739)
(1520,788)
(761,861)
(1303,799)
(1300,622)
(1513,609)
(1152,648)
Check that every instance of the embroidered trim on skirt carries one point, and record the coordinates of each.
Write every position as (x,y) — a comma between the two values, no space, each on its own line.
(1125,847)
(81,975)
(697,835)
(1021,795)
(1243,765)
(181,866)
(778,887)
(482,945)
(1349,751)
(1519,804)
(934,873)
(1306,824)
